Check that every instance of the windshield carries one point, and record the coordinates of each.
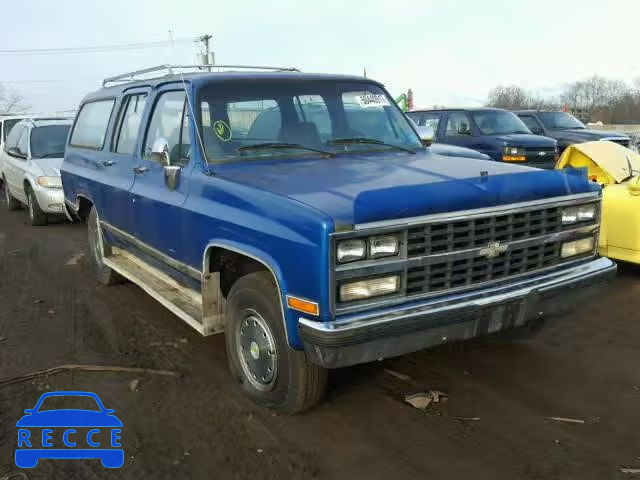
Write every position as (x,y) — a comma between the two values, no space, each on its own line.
(496,122)
(8,125)
(560,121)
(49,141)
(294,118)
(68,402)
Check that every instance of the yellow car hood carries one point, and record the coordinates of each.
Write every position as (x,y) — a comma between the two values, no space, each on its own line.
(607,162)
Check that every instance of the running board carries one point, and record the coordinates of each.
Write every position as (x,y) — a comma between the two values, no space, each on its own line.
(182,301)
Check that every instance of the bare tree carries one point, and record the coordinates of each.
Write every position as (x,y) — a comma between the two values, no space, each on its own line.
(11,102)
(510,97)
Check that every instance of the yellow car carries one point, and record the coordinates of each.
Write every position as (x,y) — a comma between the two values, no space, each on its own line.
(617,170)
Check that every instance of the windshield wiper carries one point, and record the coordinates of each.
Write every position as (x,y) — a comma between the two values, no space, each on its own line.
(52,155)
(521,131)
(370,141)
(260,146)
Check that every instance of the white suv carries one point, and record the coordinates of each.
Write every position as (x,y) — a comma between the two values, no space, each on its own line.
(30,164)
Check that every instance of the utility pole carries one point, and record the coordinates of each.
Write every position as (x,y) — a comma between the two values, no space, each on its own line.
(207,58)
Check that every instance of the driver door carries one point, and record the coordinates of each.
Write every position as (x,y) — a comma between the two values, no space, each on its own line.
(157,213)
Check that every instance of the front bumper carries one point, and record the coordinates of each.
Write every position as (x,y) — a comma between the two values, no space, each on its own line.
(373,336)
(51,200)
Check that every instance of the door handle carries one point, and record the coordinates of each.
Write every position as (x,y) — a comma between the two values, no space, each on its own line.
(140,169)
(108,163)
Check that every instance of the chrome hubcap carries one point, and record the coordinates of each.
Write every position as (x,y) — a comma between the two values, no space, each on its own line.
(257,350)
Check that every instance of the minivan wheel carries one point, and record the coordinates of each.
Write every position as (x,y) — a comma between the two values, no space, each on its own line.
(36,215)
(12,203)
(260,359)
(99,248)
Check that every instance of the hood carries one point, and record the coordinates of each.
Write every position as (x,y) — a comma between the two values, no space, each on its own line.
(586,134)
(455,151)
(69,418)
(50,167)
(526,140)
(356,189)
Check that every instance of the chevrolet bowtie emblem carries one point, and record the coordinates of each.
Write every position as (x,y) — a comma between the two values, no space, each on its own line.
(493,250)
(542,154)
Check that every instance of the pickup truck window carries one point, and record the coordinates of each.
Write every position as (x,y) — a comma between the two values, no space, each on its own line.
(530,121)
(91,125)
(306,116)
(457,124)
(170,121)
(560,121)
(49,141)
(130,119)
(498,122)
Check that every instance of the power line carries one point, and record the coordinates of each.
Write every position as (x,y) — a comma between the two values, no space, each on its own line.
(94,49)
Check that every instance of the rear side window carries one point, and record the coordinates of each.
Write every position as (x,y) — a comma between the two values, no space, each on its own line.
(130,124)
(12,138)
(91,126)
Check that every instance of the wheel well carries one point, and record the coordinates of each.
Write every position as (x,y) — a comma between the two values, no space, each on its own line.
(27,186)
(84,207)
(231,265)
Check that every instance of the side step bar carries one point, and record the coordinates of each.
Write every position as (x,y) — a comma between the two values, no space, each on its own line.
(182,301)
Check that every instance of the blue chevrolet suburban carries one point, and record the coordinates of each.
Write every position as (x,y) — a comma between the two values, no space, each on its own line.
(493,131)
(317,240)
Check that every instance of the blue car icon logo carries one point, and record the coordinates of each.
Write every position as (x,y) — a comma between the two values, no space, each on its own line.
(53,430)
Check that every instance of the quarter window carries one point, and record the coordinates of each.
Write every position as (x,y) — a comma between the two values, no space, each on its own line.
(130,123)
(12,138)
(170,122)
(91,125)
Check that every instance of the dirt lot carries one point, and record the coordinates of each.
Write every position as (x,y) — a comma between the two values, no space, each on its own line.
(52,312)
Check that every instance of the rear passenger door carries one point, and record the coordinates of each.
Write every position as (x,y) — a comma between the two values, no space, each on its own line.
(157,213)
(125,157)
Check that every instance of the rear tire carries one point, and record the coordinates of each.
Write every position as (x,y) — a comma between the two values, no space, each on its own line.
(12,203)
(99,248)
(268,370)
(37,217)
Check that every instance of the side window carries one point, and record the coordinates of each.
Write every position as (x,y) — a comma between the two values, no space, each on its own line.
(129,125)
(170,122)
(91,125)
(431,120)
(23,142)
(12,138)
(458,125)
(531,123)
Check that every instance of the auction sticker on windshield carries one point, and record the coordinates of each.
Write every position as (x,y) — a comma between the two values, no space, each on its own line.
(372,100)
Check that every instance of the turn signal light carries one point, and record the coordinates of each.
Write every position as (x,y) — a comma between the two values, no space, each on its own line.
(302,305)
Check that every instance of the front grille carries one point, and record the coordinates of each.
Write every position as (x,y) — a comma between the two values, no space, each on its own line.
(469,271)
(448,237)
(540,155)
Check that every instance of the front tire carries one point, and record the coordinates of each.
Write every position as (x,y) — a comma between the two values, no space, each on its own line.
(12,203)
(99,248)
(269,371)
(37,217)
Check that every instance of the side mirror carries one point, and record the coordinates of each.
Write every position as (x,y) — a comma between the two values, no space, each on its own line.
(160,152)
(29,411)
(463,129)
(426,135)
(172,176)
(537,131)
(109,411)
(15,152)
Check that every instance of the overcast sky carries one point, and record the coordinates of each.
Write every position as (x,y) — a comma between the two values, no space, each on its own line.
(448,52)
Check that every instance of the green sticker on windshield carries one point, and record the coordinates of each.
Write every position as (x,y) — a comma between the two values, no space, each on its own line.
(222,130)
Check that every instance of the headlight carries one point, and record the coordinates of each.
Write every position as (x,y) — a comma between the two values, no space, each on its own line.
(577,247)
(385,246)
(49,182)
(374,287)
(581,213)
(513,154)
(351,250)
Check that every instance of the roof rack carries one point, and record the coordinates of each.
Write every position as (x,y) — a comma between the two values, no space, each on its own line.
(171,70)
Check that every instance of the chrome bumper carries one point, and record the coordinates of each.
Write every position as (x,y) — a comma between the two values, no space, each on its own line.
(395,331)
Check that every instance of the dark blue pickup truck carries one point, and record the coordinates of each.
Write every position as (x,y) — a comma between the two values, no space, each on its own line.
(492,131)
(301,215)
